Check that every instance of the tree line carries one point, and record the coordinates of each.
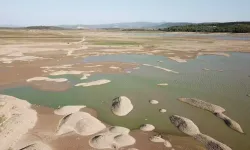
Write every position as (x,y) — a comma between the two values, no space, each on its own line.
(232,27)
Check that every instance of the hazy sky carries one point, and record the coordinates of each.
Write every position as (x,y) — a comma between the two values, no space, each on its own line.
(55,12)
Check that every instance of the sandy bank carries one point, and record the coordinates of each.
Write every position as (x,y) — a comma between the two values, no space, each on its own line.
(17,118)
(47,79)
(94,83)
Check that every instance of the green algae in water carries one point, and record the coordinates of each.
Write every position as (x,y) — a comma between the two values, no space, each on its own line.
(227,89)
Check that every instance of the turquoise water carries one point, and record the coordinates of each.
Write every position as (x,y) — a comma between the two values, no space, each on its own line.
(227,89)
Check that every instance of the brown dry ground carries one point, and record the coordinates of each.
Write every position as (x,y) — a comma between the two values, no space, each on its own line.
(52,47)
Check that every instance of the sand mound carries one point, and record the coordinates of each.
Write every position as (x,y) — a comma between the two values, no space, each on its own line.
(167,144)
(66,110)
(47,79)
(132,149)
(80,122)
(121,106)
(229,122)
(85,76)
(206,69)
(153,101)
(119,130)
(215,109)
(185,125)
(163,110)
(157,139)
(210,143)
(248,95)
(162,84)
(112,140)
(37,146)
(17,119)
(202,104)
(147,127)
(71,72)
(188,127)
(93,83)
(114,67)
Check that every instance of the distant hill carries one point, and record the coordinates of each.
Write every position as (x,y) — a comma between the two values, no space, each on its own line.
(231,27)
(45,27)
(171,24)
(128,25)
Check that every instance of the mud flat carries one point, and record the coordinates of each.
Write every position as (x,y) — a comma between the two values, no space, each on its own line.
(147,127)
(188,127)
(215,109)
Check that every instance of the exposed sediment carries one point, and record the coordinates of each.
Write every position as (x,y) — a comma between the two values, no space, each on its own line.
(161,68)
(178,59)
(185,125)
(153,102)
(230,122)
(188,127)
(210,143)
(162,84)
(215,109)
(202,104)
(162,110)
